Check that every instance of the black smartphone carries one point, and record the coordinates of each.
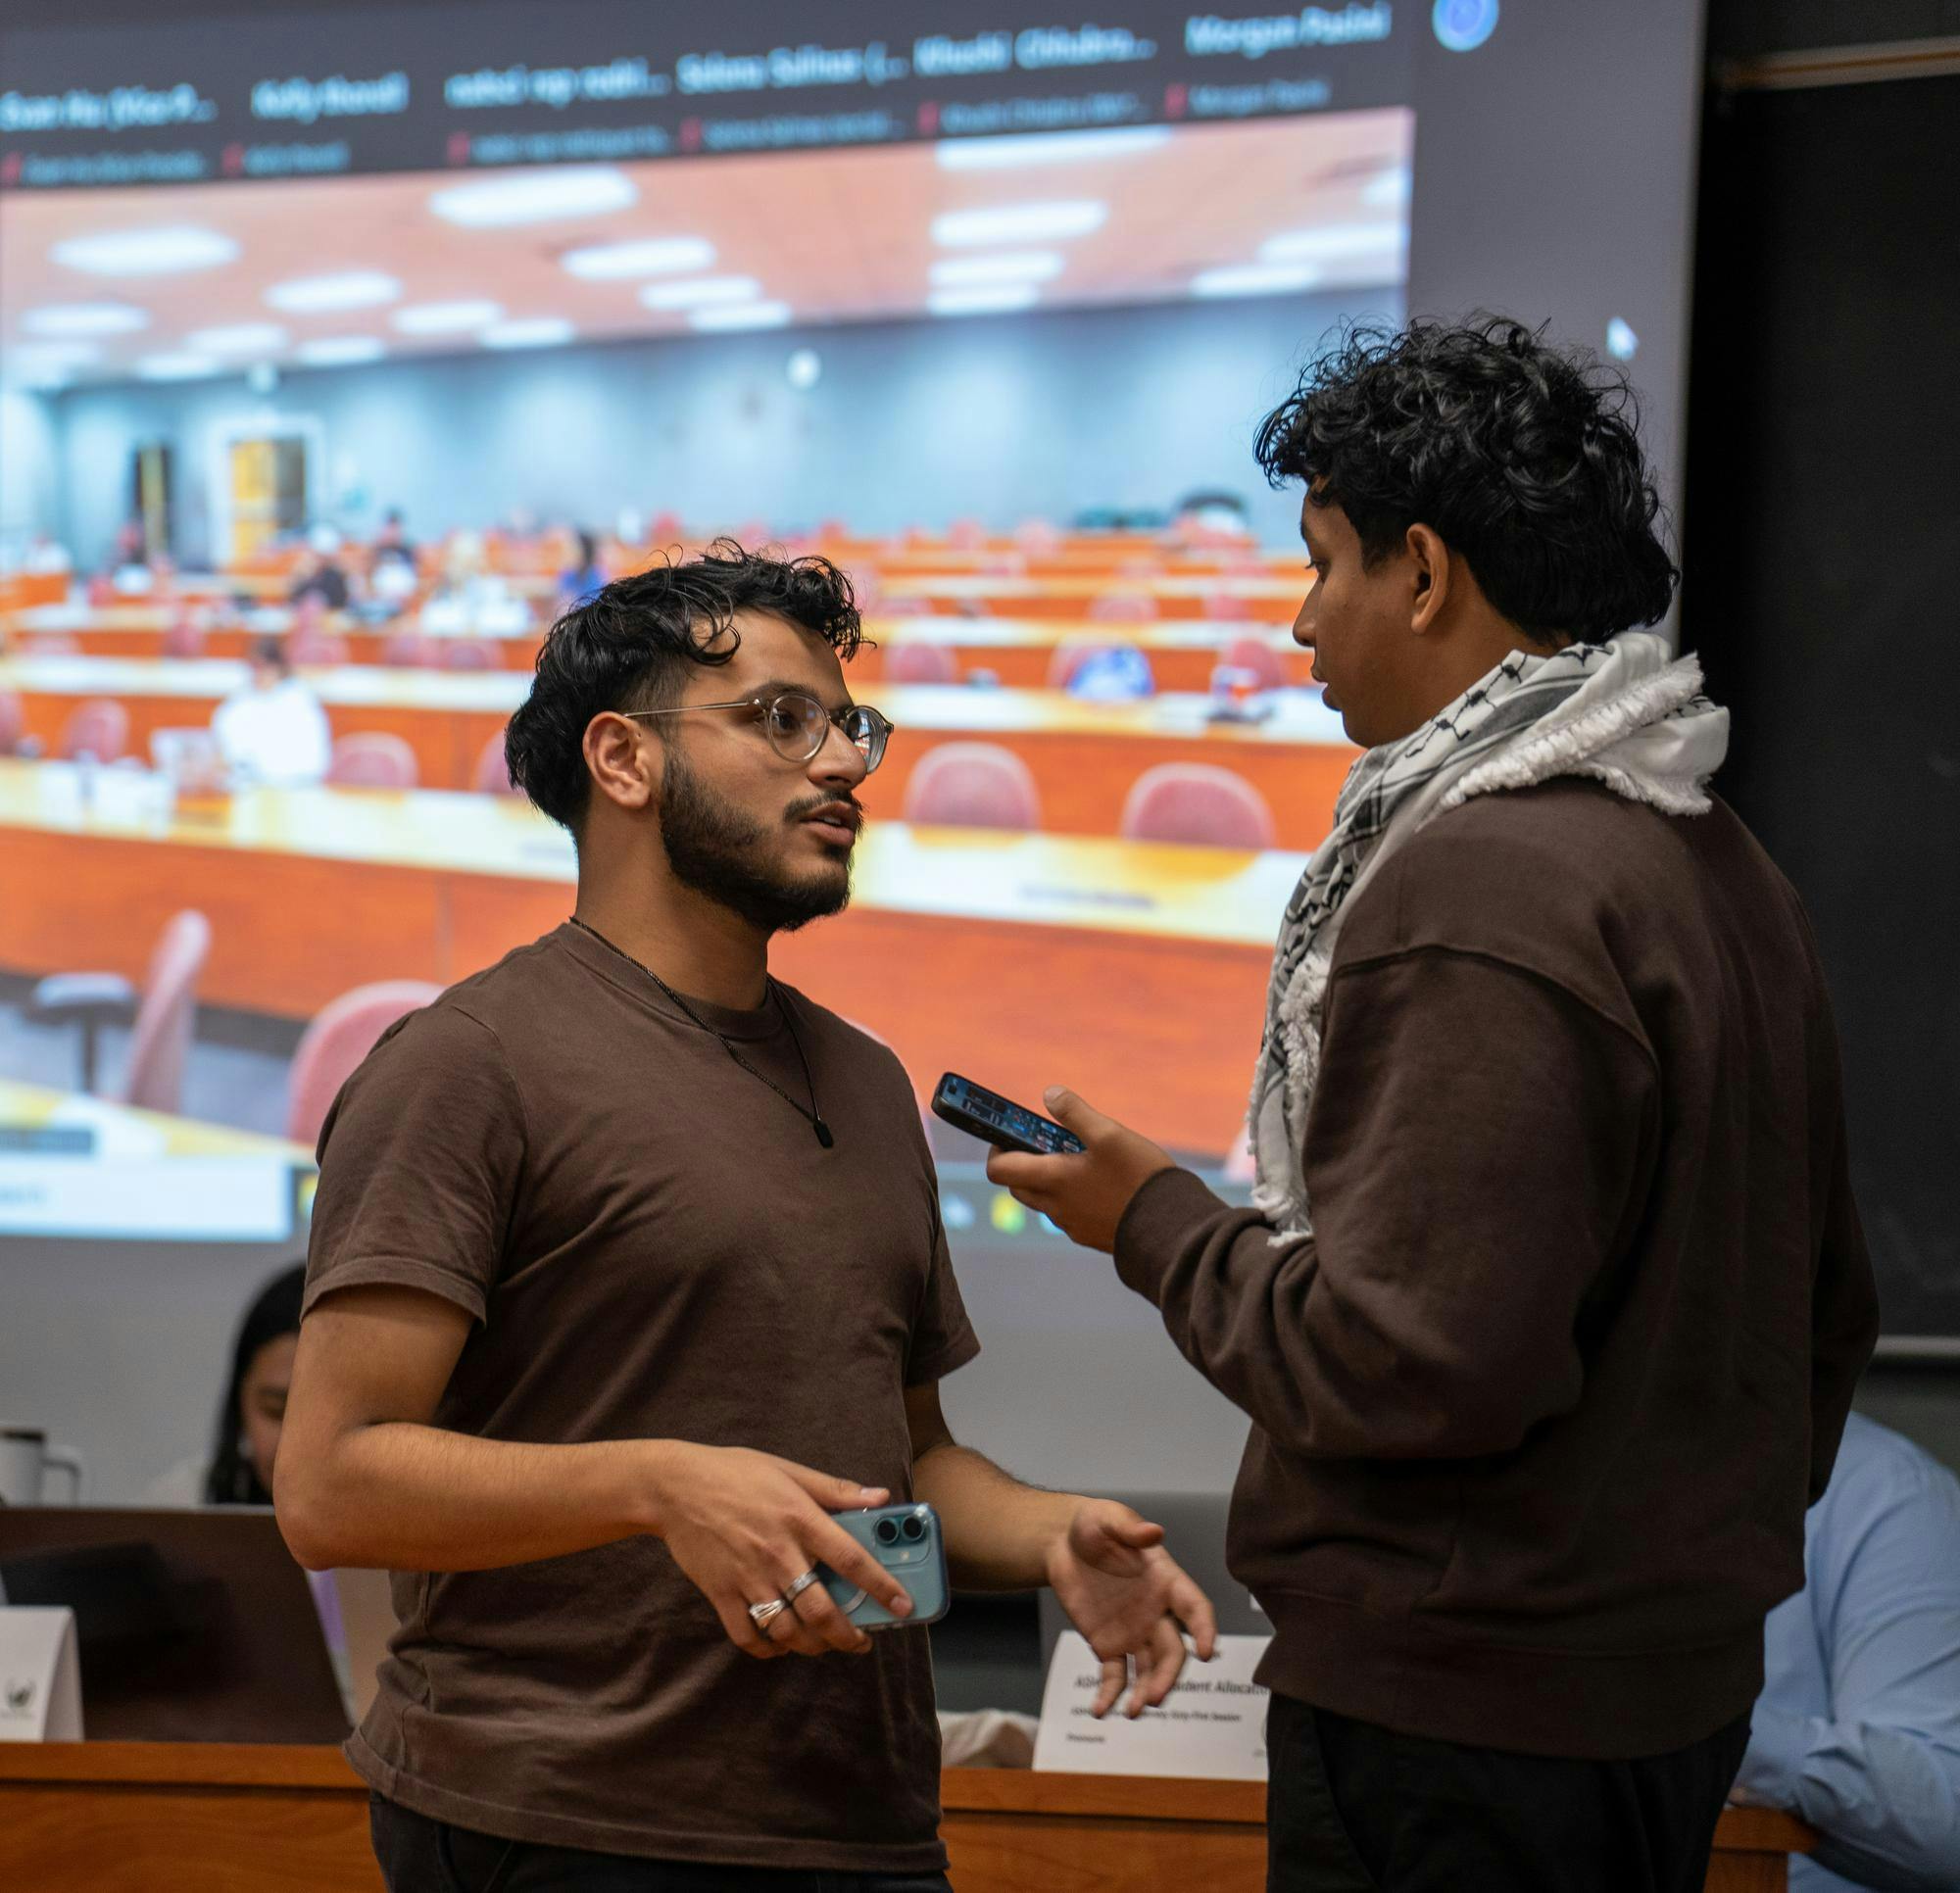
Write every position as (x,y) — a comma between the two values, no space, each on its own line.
(1000,1121)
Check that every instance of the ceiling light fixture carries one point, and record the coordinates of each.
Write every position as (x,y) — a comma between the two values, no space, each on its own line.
(701,292)
(643,256)
(1256,279)
(741,316)
(175,368)
(1048,146)
(446,318)
(327,294)
(535,197)
(340,351)
(1331,242)
(237,338)
(1001,266)
(1018,224)
(85,319)
(159,251)
(535,333)
(983,299)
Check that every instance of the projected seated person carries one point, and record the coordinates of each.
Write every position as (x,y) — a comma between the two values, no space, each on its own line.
(273,731)
(238,1469)
(393,576)
(582,578)
(471,599)
(316,575)
(1857,1730)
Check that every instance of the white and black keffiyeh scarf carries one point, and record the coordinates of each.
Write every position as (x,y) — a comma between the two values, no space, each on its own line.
(1626,712)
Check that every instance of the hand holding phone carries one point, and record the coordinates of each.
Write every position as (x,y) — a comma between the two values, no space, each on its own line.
(1001,1122)
(906,1539)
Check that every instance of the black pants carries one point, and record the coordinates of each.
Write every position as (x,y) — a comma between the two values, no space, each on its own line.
(418,1855)
(1353,1808)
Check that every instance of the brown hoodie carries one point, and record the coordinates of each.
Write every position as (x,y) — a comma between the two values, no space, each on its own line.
(1539,1404)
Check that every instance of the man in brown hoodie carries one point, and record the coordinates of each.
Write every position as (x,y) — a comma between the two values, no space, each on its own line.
(1550,1305)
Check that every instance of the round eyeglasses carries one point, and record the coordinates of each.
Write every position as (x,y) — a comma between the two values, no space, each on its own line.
(797,726)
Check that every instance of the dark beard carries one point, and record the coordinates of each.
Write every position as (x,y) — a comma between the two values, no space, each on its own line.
(713,849)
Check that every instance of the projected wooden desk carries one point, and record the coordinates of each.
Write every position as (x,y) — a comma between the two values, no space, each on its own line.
(186,1818)
(1136,974)
(1017,648)
(1085,755)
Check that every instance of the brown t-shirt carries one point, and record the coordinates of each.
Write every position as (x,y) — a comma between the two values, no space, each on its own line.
(654,1246)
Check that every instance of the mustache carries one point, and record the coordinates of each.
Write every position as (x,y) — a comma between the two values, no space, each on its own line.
(825,804)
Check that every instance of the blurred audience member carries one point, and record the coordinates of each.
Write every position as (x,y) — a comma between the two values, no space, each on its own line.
(1857,1730)
(392,545)
(239,1467)
(580,579)
(319,573)
(45,555)
(273,730)
(393,577)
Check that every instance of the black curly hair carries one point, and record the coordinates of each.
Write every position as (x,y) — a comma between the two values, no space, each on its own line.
(1524,458)
(629,646)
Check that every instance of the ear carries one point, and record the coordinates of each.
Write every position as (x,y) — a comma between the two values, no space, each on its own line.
(624,768)
(1430,565)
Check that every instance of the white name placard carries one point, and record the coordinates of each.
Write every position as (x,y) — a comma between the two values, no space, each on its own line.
(40,1675)
(1211,1727)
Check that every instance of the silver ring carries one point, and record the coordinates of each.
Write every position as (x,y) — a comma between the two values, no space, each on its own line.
(764,1615)
(801,1585)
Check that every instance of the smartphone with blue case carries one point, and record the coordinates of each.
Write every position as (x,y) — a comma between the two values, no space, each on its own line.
(906,1539)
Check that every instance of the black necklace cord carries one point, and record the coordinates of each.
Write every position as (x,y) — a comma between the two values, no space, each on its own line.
(815,1114)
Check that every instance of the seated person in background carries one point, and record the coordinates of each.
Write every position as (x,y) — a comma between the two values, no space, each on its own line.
(319,574)
(392,545)
(469,599)
(239,1467)
(582,578)
(273,731)
(46,553)
(1857,1730)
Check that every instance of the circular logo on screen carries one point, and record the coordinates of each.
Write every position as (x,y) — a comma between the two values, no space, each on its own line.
(1463,25)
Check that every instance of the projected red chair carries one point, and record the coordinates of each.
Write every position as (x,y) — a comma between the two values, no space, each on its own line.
(13,722)
(411,651)
(93,1001)
(972,785)
(1123,608)
(184,637)
(470,654)
(1196,804)
(342,1033)
(966,535)
(492,775)
(1038,537)
(318,650)
(1228,608)
(98,727)
(373,760)
(921,664)
(1260,660)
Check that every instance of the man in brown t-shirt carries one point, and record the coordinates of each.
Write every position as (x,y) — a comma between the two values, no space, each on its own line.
(626,1274)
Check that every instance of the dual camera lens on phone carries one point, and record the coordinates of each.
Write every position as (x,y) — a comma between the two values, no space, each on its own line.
(890,1530)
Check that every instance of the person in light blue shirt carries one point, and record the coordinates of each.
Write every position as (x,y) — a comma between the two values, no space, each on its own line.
(1857,1730)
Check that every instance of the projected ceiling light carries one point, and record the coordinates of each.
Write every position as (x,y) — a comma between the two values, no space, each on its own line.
(1002,265)
(175,368)
(340,351)
(1018,224)
(535,197)
(343,289)
(1390,191)
(644,257)
(741,316)
(536,332)
(804,369)
(1332,243)
(446,318)
(983,299)
(1256,279)
(237,338)
(158,252)
(85,318)
(1048,146)
(701,292)
(31,358)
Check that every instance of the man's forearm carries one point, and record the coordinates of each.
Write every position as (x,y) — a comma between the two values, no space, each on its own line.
(408,1497)
(999,1532)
